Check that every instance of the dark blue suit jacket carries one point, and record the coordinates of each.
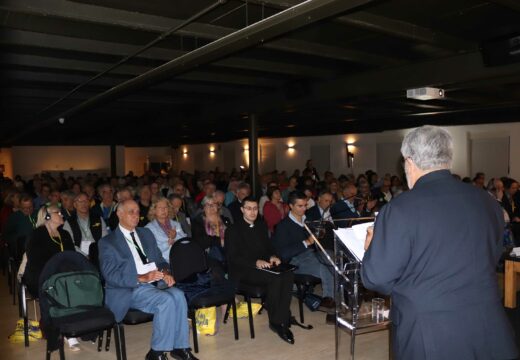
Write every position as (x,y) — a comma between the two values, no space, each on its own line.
(340,210)
(118,267)
(288,239)
(435,250)
(313,213)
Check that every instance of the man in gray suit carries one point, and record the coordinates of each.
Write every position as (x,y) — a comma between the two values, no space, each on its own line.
(434,249)
(127,257)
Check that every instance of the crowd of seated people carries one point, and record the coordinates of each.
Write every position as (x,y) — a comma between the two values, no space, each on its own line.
(55,213)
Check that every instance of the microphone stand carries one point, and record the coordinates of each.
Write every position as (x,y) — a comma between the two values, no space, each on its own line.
(353,293)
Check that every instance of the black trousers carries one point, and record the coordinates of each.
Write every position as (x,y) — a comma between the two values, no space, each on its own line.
(278,289)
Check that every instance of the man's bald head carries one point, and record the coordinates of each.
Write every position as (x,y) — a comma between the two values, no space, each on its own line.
(128,214)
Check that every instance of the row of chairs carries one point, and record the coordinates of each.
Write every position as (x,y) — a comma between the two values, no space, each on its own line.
(134,317)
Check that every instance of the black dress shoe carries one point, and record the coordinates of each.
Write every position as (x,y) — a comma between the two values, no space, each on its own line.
(156,355)
(283,332)
(182,354)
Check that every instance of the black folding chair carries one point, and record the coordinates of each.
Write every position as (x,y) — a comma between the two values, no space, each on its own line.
(187,259)
(92,320)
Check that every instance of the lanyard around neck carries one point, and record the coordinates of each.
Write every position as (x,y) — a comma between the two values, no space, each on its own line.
(59,243)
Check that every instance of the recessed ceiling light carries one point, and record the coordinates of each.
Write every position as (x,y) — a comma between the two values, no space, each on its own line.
(290,126)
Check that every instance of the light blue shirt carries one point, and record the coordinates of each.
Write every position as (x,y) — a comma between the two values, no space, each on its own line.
(162,239)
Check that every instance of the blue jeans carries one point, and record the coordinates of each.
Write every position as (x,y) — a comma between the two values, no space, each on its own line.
(310,262)
(170,316)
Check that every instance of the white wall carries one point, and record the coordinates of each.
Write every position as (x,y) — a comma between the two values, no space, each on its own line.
(29,160)
(135,157)
(6,159)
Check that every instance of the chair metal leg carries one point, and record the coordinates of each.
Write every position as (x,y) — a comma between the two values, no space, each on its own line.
(301,294)
(235,321)
(61,345)
(119,335)
(47,352)
(194,330)
(24,313)
(100,340)
(13,280)
(250,315)
(109,335)
(226,315)
(9,276)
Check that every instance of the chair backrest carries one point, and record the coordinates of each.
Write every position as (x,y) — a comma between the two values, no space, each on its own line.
(186,259)
(65,262)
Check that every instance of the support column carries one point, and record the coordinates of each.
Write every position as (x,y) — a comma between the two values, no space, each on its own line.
(253,155)
(113,162)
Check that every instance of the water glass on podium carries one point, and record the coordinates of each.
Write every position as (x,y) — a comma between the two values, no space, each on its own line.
(378,307)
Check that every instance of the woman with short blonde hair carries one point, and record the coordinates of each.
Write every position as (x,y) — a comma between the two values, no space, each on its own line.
(165,230)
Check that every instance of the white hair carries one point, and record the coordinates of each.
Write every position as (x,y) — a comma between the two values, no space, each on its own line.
(429,147)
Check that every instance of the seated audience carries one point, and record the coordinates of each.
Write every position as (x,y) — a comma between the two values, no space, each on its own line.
(219,197)
(308,191)
(319,216)
(19,227)
(294,245)
(129,284)
(85,228)
(292,186)
(208,231)
(106,208)
(264,198)
(10,205)
(188,205)
(178,215)
(42,197)
(46,240)
(274,209)
(243,191)
(165,230)
(145,201)
(350,206)
(250,251)
(67,204)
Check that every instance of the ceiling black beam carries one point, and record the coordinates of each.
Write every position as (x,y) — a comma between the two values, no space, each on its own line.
(281,23)
(61,42)
(91,14)
(455,70)
(394,27)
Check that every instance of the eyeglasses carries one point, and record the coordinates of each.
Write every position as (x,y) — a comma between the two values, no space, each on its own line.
(211,205)
(249,208)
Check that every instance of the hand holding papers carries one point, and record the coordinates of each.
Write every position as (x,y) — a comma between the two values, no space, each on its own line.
(354,238)
(145,268)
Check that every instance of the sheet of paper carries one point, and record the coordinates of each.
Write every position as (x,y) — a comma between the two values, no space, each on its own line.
(361,230)
(146,268)
(354,238)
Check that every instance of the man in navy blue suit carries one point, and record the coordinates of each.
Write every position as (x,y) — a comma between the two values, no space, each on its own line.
(351,206)
(127,257)
(319,215)
(434,249)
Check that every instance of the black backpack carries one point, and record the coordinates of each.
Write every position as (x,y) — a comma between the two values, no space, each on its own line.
(73,292)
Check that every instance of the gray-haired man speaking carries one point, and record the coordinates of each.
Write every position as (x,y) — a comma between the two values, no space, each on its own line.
(434,249)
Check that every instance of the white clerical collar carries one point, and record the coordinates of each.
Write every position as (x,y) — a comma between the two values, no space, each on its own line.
(291,216)
(249,224)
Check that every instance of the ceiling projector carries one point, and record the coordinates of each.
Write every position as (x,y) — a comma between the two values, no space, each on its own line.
(425,93)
